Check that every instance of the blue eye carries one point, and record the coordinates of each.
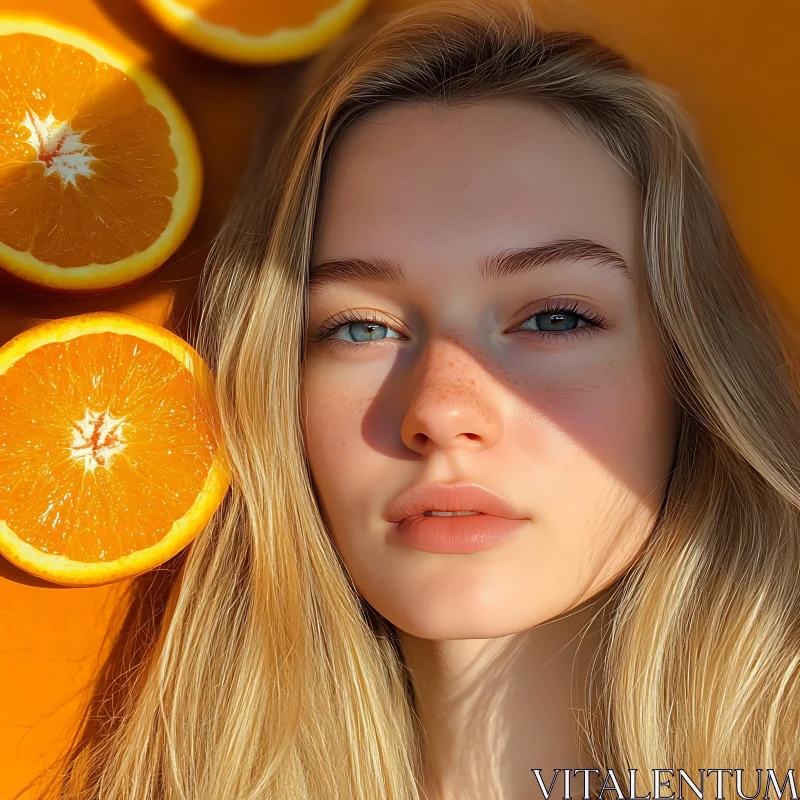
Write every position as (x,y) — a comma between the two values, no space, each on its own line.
(360,328)
(366,331)
(563,321)
(555,321)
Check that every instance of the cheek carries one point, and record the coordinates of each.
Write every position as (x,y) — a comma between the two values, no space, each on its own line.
(594,448)
(332,414)
(618,420)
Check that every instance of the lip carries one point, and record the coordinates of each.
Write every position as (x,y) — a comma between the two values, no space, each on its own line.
(467,534)
(449,497)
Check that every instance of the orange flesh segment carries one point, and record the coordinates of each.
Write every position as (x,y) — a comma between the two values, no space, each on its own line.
(124,204)
(259,19)
(135,493)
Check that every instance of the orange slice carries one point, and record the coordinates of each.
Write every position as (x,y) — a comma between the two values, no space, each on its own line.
(100,172)
(260,32)
(109,454)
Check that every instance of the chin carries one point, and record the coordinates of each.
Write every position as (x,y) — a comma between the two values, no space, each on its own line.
(463,628)
(477,614)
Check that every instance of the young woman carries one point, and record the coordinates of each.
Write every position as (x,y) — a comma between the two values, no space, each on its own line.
(482,272)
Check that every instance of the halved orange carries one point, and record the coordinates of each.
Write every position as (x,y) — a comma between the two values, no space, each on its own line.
(256,32)
(100,172)
(110,455)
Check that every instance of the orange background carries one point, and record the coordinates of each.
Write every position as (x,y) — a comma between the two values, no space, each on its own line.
(734,64)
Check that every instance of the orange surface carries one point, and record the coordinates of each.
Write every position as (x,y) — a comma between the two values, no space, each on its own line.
(116,467)
(258,19)
(185,443)
(39,200)
(247,32)
(102,178)
(739,87)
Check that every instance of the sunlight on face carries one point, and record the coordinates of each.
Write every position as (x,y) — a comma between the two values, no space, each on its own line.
(539,379)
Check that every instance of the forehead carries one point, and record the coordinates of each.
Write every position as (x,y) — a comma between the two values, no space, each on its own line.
(423,184)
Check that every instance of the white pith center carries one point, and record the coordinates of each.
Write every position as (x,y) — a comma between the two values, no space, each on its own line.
(96,439)
(59,147)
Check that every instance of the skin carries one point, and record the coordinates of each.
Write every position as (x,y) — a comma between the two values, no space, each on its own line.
(577,430)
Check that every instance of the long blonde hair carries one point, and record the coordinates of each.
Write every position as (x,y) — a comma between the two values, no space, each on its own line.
(268,677)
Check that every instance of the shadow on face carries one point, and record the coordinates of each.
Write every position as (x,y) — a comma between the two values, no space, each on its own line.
(478,316)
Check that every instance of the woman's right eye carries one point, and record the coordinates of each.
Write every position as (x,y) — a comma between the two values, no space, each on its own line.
(365,331)
(356,328)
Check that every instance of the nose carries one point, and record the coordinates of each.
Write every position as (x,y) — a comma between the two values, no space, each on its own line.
(453,404)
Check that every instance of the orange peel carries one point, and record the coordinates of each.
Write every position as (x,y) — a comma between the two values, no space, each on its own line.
(100,171)
(256,33)
(111,460)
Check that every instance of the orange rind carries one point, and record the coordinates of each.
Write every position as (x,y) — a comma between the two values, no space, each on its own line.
(256,33)
(111,460)
(100,171)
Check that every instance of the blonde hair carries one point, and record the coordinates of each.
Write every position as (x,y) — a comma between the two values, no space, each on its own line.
(269,677)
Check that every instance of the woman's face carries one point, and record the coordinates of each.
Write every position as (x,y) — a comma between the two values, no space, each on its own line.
(538,378)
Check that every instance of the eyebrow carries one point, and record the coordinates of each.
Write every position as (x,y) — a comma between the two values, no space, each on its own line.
(498,265)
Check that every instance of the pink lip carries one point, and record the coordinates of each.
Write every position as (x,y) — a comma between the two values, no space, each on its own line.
(467,534)
(449,497)
(462,534)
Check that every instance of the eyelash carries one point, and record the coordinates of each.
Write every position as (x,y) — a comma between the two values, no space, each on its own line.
(595,322)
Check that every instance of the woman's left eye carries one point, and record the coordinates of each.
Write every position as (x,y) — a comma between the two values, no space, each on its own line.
(554,321)
(563,319)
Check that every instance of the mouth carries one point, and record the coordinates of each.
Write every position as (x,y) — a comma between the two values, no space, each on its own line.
(423,501)
(449,513)
(454,531)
